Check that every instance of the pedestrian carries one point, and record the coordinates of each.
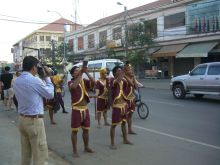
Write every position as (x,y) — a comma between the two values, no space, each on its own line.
(80,117)
(119,105)
(17,73)
(1,87)
(5,80)
(30,91)
(58,82)
(102,88)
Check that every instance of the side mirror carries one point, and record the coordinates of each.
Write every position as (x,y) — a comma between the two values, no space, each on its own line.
(190,73)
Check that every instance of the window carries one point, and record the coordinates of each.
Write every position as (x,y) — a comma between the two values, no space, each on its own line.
(214,70)
(175,20)
(111,65)
(91,41)
(95,66)
(48,38)
(80,43)
(41,38)
(117,33)
(151,28)
(45,52)
(98,65)
(91,66)
(203,17)
(70,44)
(200,70)
(102,38)
(60,39)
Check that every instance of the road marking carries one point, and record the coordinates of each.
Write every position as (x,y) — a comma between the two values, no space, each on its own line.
(171,136)
(162,102)
(177,137)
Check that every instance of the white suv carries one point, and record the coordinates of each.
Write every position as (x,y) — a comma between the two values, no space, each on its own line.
(203,79)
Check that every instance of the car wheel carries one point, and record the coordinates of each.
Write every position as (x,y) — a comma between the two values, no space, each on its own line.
(178,91)
(198,95)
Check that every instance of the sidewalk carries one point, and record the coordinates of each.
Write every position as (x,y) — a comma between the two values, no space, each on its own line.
(155,83)
(10,150)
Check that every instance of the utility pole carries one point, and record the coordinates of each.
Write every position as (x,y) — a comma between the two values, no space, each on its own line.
(64,45)
(126,32)
(53,51)
(125,29)
(75,13)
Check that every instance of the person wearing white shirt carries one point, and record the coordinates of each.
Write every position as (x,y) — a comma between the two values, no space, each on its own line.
(30,91)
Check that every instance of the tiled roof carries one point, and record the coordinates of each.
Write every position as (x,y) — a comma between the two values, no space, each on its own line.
(58,25)
(139,9)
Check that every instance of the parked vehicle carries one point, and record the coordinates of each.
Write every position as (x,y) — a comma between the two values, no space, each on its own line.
(95,65)
(204,79)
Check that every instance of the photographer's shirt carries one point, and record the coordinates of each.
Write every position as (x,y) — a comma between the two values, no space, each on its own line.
(30,91)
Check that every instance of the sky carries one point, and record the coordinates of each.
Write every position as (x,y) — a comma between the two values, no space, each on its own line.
(87,12)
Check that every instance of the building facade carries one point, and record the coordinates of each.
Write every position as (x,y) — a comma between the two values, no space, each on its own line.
(39,42)
(185,32)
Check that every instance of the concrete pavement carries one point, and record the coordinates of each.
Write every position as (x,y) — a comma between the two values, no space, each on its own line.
(10,141)
(10,138)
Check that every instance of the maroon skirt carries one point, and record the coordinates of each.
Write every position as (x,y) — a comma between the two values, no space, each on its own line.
(80,118)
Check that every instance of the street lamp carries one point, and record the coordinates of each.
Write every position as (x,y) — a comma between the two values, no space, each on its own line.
(52,11)
(125,27)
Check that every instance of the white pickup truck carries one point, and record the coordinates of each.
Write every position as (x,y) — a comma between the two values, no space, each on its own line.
(204,79)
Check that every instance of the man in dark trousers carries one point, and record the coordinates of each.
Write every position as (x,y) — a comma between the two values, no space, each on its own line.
(5,80)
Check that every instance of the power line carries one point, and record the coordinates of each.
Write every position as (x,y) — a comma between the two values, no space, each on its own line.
(42,22)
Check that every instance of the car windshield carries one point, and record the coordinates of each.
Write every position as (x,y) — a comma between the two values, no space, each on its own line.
(111,65)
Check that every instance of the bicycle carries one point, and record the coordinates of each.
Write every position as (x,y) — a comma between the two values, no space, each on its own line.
(142,108)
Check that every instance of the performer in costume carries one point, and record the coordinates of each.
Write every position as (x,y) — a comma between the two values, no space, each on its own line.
(49,105)
(80,117)
(131,85)
(57,81)
(102,88)
(119,106)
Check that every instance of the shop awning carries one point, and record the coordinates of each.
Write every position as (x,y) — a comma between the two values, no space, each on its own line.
(153,49)
(169,50)
(196,50)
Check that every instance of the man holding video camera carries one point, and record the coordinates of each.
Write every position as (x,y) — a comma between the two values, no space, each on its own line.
(80,117)
(30,91)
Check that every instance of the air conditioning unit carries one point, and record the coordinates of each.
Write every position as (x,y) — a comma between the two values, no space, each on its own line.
(118,43)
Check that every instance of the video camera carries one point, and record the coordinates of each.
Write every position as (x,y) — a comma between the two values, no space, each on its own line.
(41,70)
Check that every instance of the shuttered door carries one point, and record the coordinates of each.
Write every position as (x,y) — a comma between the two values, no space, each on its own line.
(183,65)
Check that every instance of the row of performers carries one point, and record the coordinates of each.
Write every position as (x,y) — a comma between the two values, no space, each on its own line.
(120,88)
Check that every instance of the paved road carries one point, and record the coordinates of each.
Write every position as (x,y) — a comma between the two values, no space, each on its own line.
(177,132)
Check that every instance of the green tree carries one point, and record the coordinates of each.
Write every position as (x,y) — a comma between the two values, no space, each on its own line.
(139,36)
(110,52)
(59,53)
